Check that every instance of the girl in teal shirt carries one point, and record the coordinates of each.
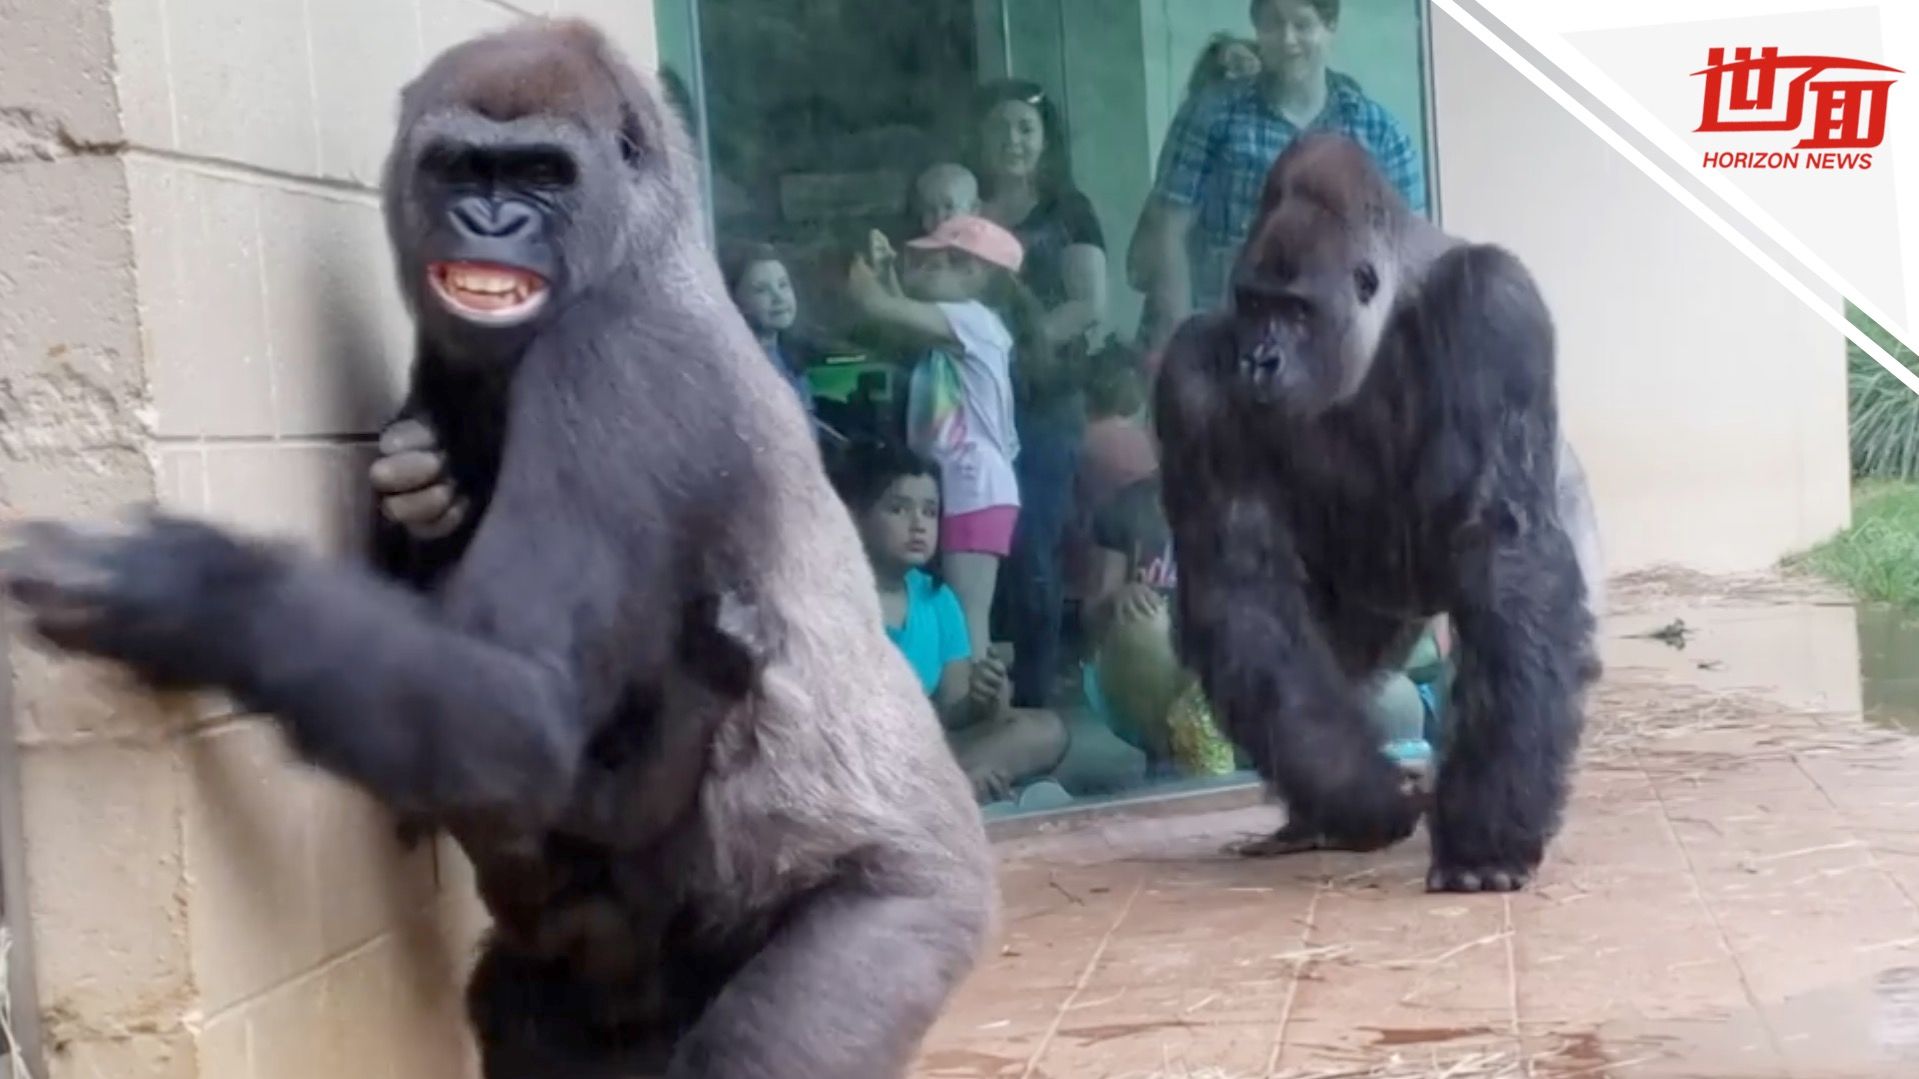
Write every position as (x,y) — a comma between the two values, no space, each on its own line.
(895,499)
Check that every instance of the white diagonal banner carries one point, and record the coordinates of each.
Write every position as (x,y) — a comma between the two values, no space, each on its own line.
(1667,72)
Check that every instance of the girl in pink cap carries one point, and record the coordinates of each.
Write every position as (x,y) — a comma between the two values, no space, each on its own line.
(961,302)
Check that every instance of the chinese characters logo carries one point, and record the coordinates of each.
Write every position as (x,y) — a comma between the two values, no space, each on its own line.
(1846,100)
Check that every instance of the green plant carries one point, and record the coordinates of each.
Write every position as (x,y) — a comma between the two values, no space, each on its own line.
(1878,556)
(1885,413)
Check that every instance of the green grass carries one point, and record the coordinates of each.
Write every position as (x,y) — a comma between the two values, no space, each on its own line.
(1885,414)
(1878,557)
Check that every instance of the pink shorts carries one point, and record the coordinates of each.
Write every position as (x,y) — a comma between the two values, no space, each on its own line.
(987,531)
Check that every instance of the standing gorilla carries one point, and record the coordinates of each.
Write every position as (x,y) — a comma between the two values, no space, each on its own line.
(649,690)
(1367,437)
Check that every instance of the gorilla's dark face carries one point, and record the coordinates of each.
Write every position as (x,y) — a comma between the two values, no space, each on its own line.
(1315,281)
(525,173)
(1309,297)
(496,204)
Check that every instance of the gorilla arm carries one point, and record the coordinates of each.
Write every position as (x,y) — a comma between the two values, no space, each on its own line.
(439,459)
(1243,621)
(477,707)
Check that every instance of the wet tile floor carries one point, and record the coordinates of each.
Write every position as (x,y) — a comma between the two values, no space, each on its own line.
(1735,896)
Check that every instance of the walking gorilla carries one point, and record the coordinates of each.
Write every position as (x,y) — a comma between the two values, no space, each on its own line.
(647,686)
(1368,436)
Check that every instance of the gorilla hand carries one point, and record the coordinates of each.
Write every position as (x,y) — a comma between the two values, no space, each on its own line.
(162,597)
(411,480)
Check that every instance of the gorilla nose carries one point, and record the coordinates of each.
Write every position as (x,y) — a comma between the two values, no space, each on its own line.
(1261,358)
(490,220)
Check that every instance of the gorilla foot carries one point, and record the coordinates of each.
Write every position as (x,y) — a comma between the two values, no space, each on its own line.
(1443,877)
(1295,838)
(1367,816)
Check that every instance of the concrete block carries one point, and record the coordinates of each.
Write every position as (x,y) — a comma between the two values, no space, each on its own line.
(57,81)
(182,483)
(341,336)
(224,1048)
(147,1056)
(363,52)
(72,392)
(105,883)
(140,74)
(253,900)
(294,1030)
(290,491)
(446,23)
(242,77)
(203,305)
(372,884)
(63,700)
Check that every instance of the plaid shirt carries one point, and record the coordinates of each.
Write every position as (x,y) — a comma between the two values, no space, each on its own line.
(1221,146)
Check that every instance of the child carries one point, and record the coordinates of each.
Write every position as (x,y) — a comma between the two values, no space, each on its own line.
(964,306)
(1136,675)
(761,288)
(942,192)
(895,499)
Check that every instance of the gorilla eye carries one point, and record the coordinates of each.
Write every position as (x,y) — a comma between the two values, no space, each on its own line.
(1366,280)
(452,164)
(545,168)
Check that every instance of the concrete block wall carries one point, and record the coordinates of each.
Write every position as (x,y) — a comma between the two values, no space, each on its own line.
(196,306)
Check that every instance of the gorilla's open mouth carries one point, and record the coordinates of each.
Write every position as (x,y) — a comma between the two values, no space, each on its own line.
(488,293)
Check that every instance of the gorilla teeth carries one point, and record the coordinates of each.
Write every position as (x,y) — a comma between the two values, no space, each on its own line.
(487,293)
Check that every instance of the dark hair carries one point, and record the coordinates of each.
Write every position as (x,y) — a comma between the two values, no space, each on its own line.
(867,467)
(742,255)
(1207,69)
(1328,10)
(1024,315)
(1055,172)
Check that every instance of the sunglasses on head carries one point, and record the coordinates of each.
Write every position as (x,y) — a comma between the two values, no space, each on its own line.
(1027,93)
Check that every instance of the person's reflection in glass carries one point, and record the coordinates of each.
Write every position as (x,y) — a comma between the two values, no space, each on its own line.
(757,279)
(1021,162)
(1226,58)
(945,190)
(1223,142)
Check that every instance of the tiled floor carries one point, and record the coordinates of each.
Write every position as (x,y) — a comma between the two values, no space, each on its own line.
(1736,894)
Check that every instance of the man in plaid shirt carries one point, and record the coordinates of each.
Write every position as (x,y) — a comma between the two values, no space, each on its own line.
(1222,144)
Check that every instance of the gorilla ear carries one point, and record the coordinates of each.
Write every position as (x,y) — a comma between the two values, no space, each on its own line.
(1366,282)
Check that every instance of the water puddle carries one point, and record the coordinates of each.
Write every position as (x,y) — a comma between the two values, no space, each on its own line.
(1830,657)
(1889,667)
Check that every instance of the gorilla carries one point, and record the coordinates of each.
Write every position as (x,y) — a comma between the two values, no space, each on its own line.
(1365,437)
(637,669)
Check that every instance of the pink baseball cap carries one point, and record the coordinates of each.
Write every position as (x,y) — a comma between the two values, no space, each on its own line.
(976,236)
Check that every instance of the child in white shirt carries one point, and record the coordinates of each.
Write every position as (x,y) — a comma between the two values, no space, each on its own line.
(961,298)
